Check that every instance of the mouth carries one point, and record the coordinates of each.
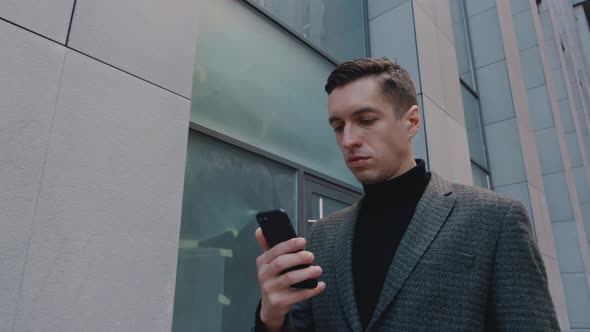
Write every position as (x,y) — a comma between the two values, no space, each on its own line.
(357,161)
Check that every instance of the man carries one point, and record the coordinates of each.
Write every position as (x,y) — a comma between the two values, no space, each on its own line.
(416,252)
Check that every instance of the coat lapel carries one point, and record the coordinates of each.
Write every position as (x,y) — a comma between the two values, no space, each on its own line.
(431,212)
(343,265)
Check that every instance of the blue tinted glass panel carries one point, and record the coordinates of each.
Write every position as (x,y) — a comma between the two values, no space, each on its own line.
(216,283)
(336,27)
(258,84)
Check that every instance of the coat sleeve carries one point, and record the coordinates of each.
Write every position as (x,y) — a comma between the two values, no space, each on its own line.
(299,319)
(519,296)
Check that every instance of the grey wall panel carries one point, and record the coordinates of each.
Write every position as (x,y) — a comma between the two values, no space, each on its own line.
(558,197)
(547,26)
(578,299)
(559,84)
(152,39)
(581,182)
(540,108)
(579,116)
(549,151)
(378,7)
(552,54)
(48,18)
(525,29)
(506,163)
(586,218)
(532,68)
(391,30)
(518,6)
(573,148)
(30,71)
(494,92)
(486,37)
(568,247)
(448,152)
(476,7)
(565,114)
(519,191)
(104,240)
(584,34)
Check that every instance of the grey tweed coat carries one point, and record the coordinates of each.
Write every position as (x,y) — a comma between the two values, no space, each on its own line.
(467,262)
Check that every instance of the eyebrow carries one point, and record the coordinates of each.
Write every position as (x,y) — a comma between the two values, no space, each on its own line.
(355,113)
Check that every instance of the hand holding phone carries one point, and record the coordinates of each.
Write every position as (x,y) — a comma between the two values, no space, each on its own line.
(277,228)
(283,252)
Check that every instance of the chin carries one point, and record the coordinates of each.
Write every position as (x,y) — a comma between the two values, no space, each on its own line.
(367,177)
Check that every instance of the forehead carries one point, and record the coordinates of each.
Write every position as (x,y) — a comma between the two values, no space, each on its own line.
(365,92)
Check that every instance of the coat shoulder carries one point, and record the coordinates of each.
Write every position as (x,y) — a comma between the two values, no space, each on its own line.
(482,198)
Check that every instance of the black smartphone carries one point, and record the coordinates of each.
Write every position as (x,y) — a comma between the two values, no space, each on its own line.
(276,228)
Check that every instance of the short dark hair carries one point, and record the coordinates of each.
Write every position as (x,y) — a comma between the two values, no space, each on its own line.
(396,82)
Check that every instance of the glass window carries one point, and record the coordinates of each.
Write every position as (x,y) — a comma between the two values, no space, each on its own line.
(474,129)
(216,284)
(257,83)
(462,47)
(336,27)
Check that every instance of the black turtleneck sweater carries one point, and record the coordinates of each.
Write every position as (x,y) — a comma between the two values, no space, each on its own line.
(384,216)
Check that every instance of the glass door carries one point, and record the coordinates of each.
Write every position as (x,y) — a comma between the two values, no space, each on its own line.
(321,199)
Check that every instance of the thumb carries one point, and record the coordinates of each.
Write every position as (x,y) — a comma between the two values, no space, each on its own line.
(261,240)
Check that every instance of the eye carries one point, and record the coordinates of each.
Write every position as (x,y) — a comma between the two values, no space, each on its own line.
(367,121)
(338,128)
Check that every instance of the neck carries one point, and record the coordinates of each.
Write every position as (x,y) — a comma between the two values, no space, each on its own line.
(404,189)
(404,167)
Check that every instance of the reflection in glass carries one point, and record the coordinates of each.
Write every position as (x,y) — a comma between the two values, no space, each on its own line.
(258,84)
(216,285)
(334,26)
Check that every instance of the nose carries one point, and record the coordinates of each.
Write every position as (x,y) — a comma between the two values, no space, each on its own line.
(350,138)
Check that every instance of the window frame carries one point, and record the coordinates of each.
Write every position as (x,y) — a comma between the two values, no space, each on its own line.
(474,93)
(303,173)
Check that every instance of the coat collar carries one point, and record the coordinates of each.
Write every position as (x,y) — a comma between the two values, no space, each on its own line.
(431,213)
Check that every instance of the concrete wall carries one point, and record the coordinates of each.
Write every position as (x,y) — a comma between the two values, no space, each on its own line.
(557,21)
(94,100)
(444,118)
(557,165)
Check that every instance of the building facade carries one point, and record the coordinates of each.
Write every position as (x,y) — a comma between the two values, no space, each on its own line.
(140,138)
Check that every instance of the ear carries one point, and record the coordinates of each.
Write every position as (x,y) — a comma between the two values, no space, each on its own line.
(413,120)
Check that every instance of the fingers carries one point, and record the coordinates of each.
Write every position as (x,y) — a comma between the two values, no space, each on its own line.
(287,247)
(291,297)
(281,284)
(304,294)
(282,263)
(286,261)
(296,276)
(261,240)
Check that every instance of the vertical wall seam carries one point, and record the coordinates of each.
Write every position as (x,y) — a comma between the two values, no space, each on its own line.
(40,184)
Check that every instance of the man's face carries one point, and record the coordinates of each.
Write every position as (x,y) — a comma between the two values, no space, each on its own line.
(374,143)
